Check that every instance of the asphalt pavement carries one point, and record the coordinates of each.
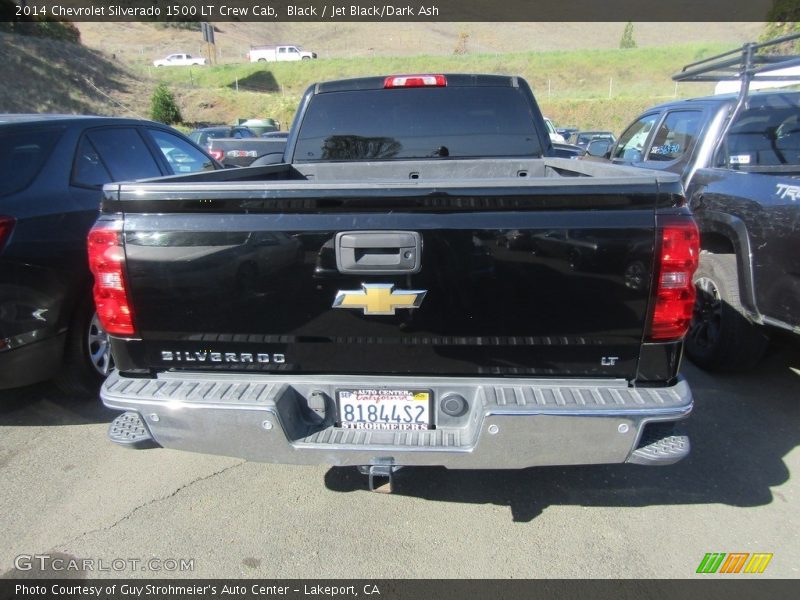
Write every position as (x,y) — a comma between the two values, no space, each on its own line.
(70,495)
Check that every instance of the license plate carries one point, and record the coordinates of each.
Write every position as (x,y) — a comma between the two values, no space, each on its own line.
(387,409)
(242,153)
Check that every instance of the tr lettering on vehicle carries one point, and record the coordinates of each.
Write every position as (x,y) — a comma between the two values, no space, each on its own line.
(784,190)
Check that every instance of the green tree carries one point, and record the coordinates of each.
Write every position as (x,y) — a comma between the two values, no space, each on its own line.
(163,107)
(627,40)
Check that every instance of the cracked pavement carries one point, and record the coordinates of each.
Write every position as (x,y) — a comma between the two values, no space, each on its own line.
(69,493)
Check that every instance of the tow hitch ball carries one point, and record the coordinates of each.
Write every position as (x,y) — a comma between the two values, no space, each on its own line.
(380,475)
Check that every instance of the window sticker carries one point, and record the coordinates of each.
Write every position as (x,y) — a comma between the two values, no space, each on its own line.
(666,149)
(740,159)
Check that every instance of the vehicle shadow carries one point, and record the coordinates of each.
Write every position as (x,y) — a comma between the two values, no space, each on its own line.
(45,404)
(741,429)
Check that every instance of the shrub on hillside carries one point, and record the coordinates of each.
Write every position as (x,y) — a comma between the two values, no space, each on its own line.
(163,107)
(627,40)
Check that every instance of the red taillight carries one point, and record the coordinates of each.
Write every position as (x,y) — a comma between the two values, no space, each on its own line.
(409,81)
(6,227)
(674,290)
(107,263)
(217,154)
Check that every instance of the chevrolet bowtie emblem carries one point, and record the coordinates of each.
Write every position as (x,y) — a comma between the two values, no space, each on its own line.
(379,298)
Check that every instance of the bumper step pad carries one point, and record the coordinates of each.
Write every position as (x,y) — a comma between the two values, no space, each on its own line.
(128,430)
(666,450)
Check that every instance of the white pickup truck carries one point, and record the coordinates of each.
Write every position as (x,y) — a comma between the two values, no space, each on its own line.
(278,53)
(180,60)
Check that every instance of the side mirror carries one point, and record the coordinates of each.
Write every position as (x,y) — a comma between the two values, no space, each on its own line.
(632,155)
(598,148)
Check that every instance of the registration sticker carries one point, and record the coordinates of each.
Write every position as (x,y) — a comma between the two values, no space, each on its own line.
(384,409)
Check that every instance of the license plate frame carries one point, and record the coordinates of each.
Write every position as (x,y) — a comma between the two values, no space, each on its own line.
(396,409)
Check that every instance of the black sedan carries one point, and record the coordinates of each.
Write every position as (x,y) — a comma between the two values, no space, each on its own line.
(52,169)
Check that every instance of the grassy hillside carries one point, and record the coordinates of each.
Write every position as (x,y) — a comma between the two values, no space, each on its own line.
(572,86)
(43,75)
(597,86)
(143,42)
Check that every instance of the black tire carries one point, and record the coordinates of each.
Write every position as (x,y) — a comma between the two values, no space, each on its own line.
(721,336)
(87,357)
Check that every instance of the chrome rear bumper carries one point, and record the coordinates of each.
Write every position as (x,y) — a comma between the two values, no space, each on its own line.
(510,423)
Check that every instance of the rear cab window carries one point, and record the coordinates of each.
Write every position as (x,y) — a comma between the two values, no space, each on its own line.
(23,153)
(764,136)
(455,122)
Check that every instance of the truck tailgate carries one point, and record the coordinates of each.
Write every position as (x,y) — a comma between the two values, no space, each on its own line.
(520,280)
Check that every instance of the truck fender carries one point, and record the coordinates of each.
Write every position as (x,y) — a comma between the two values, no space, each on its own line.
(715,228)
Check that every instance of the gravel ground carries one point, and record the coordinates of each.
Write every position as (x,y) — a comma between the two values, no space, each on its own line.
(69,493)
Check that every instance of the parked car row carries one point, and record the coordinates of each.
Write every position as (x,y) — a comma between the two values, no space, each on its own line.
(279,53)
(52,169)
(240,146)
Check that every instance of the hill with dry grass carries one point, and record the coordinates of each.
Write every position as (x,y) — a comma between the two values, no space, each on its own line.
(144,42)
(577,72)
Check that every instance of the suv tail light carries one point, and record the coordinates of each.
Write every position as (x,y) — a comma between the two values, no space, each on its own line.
(674,291)
(409,81)
(6,227)
(107,263)
(217,155)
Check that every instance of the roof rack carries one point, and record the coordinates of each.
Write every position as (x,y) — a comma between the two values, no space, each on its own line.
(742,64)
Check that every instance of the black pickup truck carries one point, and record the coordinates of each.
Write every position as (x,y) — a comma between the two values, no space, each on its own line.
(739,159)
(357,305)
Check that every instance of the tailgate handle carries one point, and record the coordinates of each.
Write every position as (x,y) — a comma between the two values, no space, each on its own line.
(378,252)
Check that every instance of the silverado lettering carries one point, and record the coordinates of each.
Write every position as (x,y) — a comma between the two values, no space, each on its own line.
(222,357)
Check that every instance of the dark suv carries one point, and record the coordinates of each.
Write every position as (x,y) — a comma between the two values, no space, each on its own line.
(739,159)
(52,168)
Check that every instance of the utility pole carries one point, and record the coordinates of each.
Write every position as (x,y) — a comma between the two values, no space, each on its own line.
(208,38)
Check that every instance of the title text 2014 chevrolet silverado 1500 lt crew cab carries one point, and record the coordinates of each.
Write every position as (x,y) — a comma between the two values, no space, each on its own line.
(358,305)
